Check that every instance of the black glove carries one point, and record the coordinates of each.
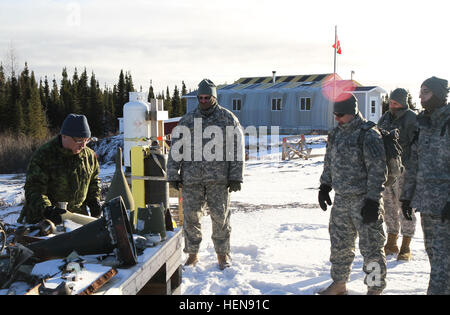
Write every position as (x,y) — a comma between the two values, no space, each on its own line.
(370,211)
(407,210)
(176,184)
(95,208)
(53,214)
(445,214)
(234,185)
(324,196)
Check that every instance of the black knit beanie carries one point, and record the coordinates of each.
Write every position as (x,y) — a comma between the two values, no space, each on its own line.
(400,96)
(438,86)
(76,126)
(347,106)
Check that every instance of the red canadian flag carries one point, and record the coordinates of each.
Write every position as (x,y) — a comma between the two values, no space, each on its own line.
(337,46)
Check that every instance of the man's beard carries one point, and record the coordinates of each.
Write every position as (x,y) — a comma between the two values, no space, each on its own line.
(432,104)
(394,111)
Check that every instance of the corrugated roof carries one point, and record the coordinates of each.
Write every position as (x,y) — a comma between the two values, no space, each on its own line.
(285,82)
(285,78)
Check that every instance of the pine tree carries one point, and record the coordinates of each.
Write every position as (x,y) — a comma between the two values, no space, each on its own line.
(151,94)
(25,87)
(176,103)
(183,100)
(128,86)
(44,92)
(13,112)
(110,122)
(168,103)
(65,93)
(96,113)
(84,94)
(120,95)
(55,111)
(75,106)
(36,121)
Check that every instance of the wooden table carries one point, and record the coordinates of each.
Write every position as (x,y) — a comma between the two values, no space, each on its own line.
(158,271)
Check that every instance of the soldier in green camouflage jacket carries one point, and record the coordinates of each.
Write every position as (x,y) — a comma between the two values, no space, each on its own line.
(63,170)
(427,180)
(357,173)
(206,158)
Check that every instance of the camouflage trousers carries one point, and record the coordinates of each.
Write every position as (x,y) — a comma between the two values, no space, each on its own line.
(437,245)
(394,218)
(195,198)
(345,226)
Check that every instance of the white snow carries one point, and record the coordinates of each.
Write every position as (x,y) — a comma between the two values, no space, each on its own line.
(279,242)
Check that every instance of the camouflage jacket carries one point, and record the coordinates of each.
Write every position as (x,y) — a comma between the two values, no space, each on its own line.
(209,156)
(55,174)
(406,122)
(351,168)
(427,177)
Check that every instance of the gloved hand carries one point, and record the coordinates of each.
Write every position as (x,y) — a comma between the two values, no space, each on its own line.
(445,214)
(234,185)
(407,210)
(324,196)
(53,214)
(177,184)
(95,208)
(370,211)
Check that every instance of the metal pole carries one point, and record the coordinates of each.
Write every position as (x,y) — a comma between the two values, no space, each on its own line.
(334,72)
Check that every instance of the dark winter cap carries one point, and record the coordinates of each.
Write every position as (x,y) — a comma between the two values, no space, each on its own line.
(347,106)
(438,86)
(400,96)
(76,126)
(207,87)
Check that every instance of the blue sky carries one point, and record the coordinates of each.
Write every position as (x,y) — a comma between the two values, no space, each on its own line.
(387,43)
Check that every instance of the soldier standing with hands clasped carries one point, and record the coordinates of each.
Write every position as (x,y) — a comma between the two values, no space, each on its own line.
(356,173)
(207,180)
(400,117)
(427,180)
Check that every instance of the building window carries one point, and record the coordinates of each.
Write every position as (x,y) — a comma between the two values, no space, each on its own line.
(237,103)
(373,107)
(276,104)
(305,103)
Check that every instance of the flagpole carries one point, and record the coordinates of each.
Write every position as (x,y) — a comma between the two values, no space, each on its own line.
(334,72)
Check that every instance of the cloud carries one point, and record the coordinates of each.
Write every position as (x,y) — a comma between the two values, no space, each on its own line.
(169,41)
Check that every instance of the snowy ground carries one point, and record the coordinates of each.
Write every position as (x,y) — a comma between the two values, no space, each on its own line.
(280,242)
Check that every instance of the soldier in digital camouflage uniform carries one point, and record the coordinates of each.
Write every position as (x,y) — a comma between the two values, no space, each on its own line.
(357,173)
(400,117)
(427,180)
(63,170)
(207,178)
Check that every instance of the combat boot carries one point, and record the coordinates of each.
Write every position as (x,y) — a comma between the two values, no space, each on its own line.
(405,251)
(336,288)
(224,261)
(192,260)
(391,247)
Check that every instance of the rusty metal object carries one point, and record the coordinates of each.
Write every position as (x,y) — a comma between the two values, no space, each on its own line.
(97,284)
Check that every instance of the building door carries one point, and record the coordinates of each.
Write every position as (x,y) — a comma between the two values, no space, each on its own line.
(374,109)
